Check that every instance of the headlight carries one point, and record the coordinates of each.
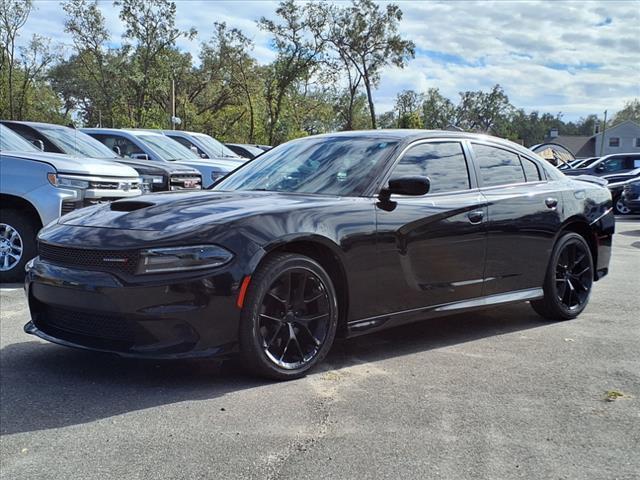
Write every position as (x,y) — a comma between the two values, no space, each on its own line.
(64,181)
(152,178)
(215,176)
(159,260)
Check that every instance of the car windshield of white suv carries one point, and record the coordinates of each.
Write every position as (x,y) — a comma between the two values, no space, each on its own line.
(12,142)
(215,146)
(166,148)
(76,143)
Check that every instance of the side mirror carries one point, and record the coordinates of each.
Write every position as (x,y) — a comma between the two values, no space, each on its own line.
(39,144)
(194,149)
(117,150)
(140,156)
(600,168)
(406,186)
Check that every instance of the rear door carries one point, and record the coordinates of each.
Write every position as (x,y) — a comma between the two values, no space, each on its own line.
(431,248)
(523,217)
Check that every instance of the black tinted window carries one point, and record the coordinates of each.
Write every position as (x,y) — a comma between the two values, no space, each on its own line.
(530,170)
(443,163)
(497,166)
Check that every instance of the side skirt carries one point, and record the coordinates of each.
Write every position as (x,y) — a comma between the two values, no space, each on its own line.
(381,322)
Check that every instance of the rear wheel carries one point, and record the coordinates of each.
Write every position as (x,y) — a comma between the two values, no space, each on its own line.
(289,318)
(568,280)
(17,244)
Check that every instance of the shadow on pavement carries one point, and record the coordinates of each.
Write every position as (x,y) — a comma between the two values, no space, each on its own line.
(46,386)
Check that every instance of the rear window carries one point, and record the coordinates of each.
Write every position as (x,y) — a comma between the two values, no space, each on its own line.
(498,166)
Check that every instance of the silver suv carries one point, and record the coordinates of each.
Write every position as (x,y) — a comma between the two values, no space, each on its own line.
(36,188)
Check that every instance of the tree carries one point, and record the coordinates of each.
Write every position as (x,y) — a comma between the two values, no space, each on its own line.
(480,111)
(438,112)
(150,26)
(630,111)
(13,16)
(299,57)
(368,38)
(408,103)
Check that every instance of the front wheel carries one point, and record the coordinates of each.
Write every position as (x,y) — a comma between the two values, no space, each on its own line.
(619,208)
(568,280)
(17,244)
(289,317)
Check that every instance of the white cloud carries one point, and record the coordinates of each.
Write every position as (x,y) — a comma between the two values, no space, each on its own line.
(549,56)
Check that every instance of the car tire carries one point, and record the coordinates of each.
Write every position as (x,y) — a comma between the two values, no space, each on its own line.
(619,208)
(568,281)
(289,317)
(17,238)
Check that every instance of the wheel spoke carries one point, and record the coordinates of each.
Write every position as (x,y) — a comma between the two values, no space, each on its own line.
(274,336)
(277,298)
(271,317)
(306,320)
(308,332)
(298,298)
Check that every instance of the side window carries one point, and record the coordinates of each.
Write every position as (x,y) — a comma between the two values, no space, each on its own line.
(498,166)
(126,146)
(614,141)
(444,163)
(188,144)
(614,164)
(531,171)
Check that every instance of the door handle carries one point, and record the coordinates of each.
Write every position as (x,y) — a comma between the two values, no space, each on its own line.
(551,202)
(475,216)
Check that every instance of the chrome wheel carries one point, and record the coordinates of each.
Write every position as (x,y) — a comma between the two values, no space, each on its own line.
(573,277)
(621,208)
(11,247)
(294,318)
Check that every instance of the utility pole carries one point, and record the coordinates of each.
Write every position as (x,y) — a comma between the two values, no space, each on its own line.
(604,127)
(173,104)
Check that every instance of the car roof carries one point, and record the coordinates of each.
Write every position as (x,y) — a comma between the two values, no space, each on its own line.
(36,124)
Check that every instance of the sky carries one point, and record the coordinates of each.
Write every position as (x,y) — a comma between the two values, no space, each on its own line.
(574,57)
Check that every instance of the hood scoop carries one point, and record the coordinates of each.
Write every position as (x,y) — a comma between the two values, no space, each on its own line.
(129,205)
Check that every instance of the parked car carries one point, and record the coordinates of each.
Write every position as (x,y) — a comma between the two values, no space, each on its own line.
(150,145)
(608,165)
(36,188)
(631,195)
(155,176)
(575,163)
(616,183)
(336,234)
(247,151)
(204,145)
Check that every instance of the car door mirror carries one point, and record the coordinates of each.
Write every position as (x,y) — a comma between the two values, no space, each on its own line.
(410,185)
(600,168)
(39,144)
(140,156)
(116,149)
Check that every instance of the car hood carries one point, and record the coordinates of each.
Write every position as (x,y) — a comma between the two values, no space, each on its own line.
(77,165)
(184,211)
(157,166)
(214,164)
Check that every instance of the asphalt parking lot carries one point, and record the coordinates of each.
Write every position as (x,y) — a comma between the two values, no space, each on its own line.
(497,394)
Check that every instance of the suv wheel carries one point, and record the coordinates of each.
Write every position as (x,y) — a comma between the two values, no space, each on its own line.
(17,244)
(619,207)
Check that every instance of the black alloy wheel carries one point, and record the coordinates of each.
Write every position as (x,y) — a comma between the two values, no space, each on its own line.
(289,318)
(619,207)
(568,281)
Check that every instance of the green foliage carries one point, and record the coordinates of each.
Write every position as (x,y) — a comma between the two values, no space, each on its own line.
(328,61)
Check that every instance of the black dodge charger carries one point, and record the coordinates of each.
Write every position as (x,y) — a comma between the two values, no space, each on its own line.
(337,234)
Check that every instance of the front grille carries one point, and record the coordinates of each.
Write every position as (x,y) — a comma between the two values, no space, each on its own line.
(185,182)
(56,320)
(69,206)
(106,185)
(125,261)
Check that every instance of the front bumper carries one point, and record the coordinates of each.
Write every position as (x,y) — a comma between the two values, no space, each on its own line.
(176,316)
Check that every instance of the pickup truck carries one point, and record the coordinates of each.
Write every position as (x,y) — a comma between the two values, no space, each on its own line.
(152,145)
(155,176)
(37,187)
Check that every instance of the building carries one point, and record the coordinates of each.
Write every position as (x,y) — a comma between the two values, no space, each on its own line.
(621,138)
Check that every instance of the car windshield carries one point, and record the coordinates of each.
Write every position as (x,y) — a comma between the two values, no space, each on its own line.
(215,146)
(342,166)
(74,142)
(12,142)
(166,148)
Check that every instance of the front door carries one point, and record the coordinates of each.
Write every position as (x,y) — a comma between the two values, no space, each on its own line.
(432,248)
